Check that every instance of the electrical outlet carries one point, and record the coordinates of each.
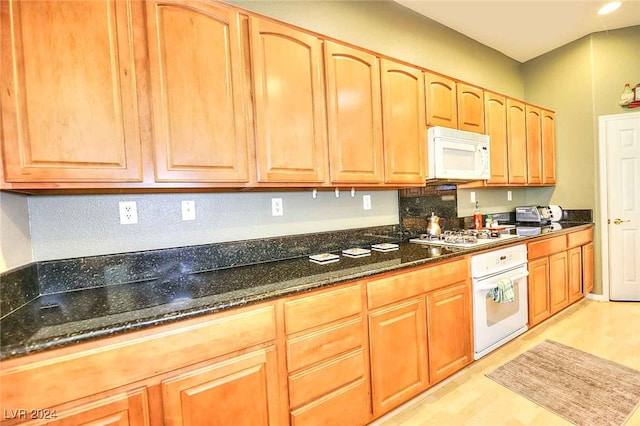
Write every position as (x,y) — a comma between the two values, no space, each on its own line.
(509,196)
(366,202)
(128,212)
(473,196)
(277,207)
(188,210)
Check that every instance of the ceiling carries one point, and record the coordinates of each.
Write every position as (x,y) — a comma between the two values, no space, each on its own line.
(525,29)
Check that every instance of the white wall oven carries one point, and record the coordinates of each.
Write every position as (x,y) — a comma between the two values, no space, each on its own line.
(497,322)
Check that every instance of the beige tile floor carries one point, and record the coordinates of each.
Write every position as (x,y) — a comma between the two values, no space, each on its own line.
(607,329)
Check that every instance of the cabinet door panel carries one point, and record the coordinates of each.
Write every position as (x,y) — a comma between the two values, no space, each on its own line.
(442,109)
(239,391)
(398,354)
(575,274)
(548,147)
(470,108)
(534,145)
(517,141)
(495,107)
(289,104)
(448,331)
(403,123)
(69,105)
(558,281)
(539,304)
(354,113)
(587,268)
(197,85)
(348,406)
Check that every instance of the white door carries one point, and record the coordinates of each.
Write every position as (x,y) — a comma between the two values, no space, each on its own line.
(622,140)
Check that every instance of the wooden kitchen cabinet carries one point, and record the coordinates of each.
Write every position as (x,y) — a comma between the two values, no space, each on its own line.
(587,268)
(495,107)
(291,143)
(441,103)
(534,145)
(558,281)
(354,115)
(403,118)
(548,147)
(449,337)
(470,108)
(538,291)
(327,358)
(242,390)
(199,123)
(69,101)
(398,354)
(517,141)
(575,274)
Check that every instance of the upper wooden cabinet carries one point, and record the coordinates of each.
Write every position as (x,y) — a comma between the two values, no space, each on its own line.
(442,107)
(495,107)
(548,147)
(199,111)
(69,103)
(354,113)
(289,104)
(517,141)
(470,108)
(403,115)
(534,145)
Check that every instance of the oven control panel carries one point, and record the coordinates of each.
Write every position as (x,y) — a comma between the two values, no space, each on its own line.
(497,261)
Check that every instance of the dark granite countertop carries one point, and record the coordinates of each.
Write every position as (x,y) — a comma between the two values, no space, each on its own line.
(55,320)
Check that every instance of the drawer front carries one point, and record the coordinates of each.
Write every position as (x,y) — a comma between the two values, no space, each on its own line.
(319,381)
(346,406)
(409,284)
(579,238)
(315,347)
(547,247)
(323,308)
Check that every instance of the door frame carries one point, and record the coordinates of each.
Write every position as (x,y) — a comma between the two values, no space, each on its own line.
(604,197)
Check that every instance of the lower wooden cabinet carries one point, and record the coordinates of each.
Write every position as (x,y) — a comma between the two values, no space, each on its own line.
(449,331)
(587,268)
(242,390)
(539,303)
(398,354)
(575,274)
(558,281)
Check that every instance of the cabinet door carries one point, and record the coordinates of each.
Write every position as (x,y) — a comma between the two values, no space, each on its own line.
(242,390)
(548,147)
(69,105)
(123,409)
(354,115)
(517,141)
(470,108)
(449,331)
(440,93)
(539,303)
(587,268)
(198,93)
(575,274)
(289,104)
(558,281)
(403,115)
(398,354)
(495,107)
(534,145)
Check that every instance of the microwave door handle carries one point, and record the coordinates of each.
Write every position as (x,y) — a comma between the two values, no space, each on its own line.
(492,286)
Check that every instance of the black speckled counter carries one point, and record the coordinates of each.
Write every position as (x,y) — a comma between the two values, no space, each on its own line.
(169,291)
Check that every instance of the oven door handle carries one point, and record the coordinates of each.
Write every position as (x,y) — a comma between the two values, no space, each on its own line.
(492,286)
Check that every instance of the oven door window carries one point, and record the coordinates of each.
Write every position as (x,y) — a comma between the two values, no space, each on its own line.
(498,312)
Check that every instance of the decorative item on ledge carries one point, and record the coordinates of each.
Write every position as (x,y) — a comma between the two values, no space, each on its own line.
(630,98)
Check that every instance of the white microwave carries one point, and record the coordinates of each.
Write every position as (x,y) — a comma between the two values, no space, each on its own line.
(457,155)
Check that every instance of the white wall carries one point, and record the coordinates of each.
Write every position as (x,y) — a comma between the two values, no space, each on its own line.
(85,225)
(15,244)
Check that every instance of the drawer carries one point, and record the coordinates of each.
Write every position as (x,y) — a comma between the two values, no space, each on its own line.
(321,345)
(322,308)
(346,406)
(547,247)
(579,238)
(409,284)
(321,380)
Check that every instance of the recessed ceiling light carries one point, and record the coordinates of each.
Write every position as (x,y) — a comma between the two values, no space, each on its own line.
(609,7)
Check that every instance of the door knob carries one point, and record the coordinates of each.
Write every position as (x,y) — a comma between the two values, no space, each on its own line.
(619,221)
